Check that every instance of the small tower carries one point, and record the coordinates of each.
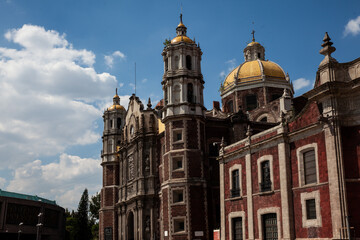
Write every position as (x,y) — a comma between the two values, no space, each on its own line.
(184,212)
(114,118)
(254,50)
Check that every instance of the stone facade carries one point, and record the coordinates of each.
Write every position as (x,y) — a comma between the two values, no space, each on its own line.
(266,163)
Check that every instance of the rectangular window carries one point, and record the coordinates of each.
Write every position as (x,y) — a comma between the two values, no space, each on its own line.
(177,135)
(270,226)
(310,209)
(177,163)
(237,230)
(179,225)
(309,167)
(265,184)
(235,191)
(178,196)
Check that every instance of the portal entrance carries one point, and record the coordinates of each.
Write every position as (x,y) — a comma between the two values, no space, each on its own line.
(130,226)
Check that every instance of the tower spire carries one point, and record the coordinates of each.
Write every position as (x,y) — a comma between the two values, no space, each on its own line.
(253,33)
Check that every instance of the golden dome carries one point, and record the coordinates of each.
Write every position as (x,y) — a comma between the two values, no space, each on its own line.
(254,70)
(253,43)
(116,106)
(178,39)
(181,25)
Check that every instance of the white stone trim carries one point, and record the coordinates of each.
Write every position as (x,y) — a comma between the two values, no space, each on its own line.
(232,168)
(259,161)
(306,223)
(300,158)
(235,215)
(263,211)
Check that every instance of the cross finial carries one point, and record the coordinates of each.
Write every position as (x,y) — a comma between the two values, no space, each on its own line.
(181,18)
(116,91)
(253,33)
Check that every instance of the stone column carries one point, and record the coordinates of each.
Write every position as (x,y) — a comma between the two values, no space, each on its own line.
(284,187)
(250,214)
(140,220)
(333,177)
(222,200)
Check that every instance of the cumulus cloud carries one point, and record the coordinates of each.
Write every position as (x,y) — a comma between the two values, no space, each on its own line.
(50,95)
(109,59)
(231,64)
(301,83)
(352,27)
(56,181)
(2,182)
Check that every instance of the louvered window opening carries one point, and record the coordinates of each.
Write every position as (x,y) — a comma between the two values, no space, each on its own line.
(309,167)
(235,191)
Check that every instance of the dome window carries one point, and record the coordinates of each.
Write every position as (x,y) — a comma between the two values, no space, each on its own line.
(251,102)
(230,106)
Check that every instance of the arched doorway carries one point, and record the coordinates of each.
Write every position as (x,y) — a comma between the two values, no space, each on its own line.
(130,226)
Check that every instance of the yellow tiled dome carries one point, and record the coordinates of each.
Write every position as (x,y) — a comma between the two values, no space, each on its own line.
(178,39)
(116,106)
(254,70)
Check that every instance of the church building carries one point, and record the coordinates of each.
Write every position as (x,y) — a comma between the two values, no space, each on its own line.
(265,165)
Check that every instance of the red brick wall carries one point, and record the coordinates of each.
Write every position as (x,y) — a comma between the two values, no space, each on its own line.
(351,156)
(309,116)
(192,133)
(322,232)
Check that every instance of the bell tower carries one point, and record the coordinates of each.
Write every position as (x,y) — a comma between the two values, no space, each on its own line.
(114,118)
(183,198)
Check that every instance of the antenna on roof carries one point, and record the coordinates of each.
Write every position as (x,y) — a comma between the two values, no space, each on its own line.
(135,78)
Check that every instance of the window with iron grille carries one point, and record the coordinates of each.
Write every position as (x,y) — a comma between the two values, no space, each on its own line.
(265,184)
(310,209)
(309,167)
(269,222)
(235,191)
(237,231)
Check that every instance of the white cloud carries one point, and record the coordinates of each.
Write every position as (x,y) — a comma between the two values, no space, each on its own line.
(301,83)
(56,181)
(231,64)
(2,182)
(352,27)
(109,59)
(222,74)
(144,80)
(50,95)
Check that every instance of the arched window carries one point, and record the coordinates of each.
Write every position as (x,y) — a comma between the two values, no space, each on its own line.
(177,94)
(264,119)
(176,62)
(166,64)
(118,123)
(251,102)
(190,91)
(188,62)
(166,96)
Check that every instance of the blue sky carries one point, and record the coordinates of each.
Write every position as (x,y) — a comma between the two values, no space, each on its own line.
(60,62)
